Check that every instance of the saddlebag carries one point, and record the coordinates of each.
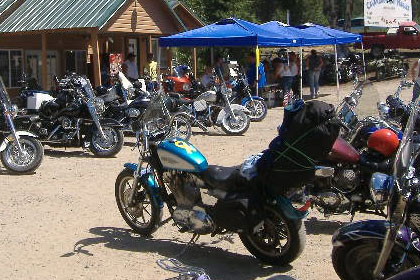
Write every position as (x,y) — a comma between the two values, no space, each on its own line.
(306,136)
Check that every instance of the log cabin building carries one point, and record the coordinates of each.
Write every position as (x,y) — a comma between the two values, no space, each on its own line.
(43,38)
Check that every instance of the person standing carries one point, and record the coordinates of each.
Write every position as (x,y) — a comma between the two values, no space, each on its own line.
(129,68)
(252,73)
(151,70)
(415,74)
(314,64)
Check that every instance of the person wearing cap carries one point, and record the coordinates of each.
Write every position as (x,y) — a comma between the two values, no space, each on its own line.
(129,68)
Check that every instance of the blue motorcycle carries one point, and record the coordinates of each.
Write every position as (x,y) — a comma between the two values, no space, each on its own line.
(241,94)
(378,249)
(205,199)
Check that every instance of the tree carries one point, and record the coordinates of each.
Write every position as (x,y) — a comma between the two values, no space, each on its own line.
(330,9)
(348,15)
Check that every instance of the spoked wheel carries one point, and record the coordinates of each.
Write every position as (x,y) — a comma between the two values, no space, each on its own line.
(237,125)
(25,162)
(180,128)
(358,259)
(109,145)
(258,110)
(278,241)
(144,215)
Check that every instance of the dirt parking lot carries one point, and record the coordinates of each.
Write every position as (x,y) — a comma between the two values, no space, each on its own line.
(63,222)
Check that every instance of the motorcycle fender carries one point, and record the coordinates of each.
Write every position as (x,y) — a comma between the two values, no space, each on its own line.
(234,107)
(110,122)
(10,138)
(246,99)
(286,207)
(368,230)
(147,178)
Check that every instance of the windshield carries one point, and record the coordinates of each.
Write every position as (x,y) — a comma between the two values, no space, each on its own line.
(4,97)
(405,151)
(87,88)
(417,27)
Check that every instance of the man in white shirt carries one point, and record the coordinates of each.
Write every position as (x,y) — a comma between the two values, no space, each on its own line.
(129,68)
(415,74)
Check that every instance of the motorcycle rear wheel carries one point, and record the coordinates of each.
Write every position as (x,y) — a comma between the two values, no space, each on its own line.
(135,216)
(14,162)
(266,244)
(357,259)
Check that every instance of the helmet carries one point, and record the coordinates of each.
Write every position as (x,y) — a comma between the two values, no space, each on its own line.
(384,141)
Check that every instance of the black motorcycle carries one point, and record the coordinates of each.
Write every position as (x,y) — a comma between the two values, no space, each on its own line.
(378,249)
(20,150)
(73,119)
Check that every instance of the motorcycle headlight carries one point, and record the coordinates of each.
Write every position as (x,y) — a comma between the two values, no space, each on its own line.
(383,110)
(99,105)
(133,113)
(380,185)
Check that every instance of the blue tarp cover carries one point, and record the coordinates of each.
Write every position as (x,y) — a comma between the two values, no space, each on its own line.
(230,32)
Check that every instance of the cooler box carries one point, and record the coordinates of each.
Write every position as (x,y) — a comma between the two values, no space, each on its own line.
(35,101)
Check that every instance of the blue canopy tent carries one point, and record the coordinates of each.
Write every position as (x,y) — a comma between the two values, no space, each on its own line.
(231,32)
(316,35)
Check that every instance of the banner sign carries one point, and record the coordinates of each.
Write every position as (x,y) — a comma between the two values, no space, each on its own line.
(387,13)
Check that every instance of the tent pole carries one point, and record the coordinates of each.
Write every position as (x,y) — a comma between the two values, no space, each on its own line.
(257,63)
(364,63)
(212,56)
(301,73)
(158,66)
(336,72)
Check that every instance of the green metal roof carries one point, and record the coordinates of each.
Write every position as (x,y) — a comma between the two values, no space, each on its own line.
(5,4)
(35,15)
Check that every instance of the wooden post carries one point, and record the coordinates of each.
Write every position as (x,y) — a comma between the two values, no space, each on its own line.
(44,66)
(96,58)
(150,46)
(143,54)
(195,61)
(169,57)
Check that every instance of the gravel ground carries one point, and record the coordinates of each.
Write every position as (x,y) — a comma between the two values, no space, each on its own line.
(63,223)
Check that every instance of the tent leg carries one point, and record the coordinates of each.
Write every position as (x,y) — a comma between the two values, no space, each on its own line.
(257,63)
(336,72)
(301,73)
(212,56)
(364,62)
(158,67)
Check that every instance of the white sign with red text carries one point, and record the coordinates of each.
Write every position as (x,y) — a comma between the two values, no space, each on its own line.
(387,13)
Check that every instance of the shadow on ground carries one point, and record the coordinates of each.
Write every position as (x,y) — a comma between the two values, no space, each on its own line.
(327,227)
(67,154)
(218,263)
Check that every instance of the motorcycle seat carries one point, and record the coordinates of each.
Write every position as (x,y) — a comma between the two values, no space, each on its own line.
(223,178)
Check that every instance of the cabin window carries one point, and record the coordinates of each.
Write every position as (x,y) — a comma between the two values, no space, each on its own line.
(76,61)
(11,67)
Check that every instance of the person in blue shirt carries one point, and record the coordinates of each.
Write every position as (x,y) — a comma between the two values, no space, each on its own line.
(252,73)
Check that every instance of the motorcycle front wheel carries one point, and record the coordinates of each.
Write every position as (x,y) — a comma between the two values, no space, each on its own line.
(279,241)
(357,259)
(236,126)
(30,160)
(180,128)
(144,216)
(108,146)
(258,110)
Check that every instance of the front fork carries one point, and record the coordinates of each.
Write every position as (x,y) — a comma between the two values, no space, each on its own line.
(95,119)
(13,131)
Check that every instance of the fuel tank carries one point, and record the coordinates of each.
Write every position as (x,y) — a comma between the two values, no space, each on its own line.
(177,154)
(343,152)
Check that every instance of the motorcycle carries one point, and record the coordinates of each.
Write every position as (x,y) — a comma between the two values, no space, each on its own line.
(74,119)
(361,145)
(378,249)
(213,108)
(242,95)
(31,96)
(174,172)
(20,150)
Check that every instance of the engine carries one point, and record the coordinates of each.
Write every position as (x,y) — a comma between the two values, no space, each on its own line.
(189,213)
(330,192)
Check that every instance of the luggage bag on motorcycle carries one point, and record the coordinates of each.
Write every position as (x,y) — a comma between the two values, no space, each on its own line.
(306,136)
